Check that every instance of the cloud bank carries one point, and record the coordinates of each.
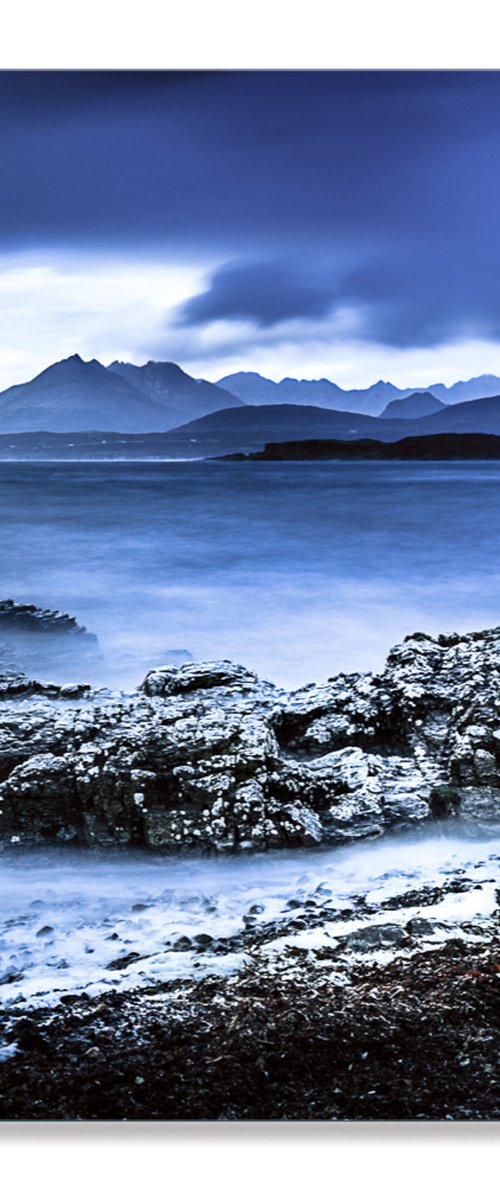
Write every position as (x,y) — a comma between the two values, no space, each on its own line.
(227,218)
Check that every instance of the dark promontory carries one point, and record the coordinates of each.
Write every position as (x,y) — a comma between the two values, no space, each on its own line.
(435,447)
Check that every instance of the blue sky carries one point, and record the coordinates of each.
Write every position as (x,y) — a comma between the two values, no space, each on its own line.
(307,223)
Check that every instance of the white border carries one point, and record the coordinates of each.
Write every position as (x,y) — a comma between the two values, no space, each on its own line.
(200,34)
(248,1162)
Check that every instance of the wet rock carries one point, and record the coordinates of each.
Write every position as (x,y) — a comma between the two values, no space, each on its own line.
(444,801)
(11,975)
(421,927)
(45,931)
(375,937)
(73,691)
(421,897)
(173,680)
(43,638)
(485,764)
(124,960)
(205,756)
(28,618)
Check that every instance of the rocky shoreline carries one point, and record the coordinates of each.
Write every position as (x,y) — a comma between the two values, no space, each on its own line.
(313,1002)
(414,1039)
(205,756)
(384,1009)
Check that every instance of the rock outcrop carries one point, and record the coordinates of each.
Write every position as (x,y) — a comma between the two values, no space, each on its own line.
(34,639)
(29,618)
(207,756)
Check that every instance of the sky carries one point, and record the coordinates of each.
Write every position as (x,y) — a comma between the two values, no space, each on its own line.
(337,224)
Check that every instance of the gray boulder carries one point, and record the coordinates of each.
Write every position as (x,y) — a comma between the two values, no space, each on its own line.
(207,756)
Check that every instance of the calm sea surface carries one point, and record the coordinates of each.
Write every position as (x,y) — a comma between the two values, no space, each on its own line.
(297,570)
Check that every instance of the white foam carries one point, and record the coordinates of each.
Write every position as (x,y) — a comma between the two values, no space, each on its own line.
(66,916)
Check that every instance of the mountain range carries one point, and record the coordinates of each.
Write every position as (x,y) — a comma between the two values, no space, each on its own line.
(76,396)
(167,385)
(195,418)
(256,389)
(247,429)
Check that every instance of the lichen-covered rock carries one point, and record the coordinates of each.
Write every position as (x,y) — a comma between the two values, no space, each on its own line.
(206,756)
(194,677)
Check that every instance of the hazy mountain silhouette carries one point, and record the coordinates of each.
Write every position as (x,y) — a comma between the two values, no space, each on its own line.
(253,388)
(418,404)
(471,416)
(77,396)
(73,395)
(166,383)
(256,389)
(249,428)
(470,389)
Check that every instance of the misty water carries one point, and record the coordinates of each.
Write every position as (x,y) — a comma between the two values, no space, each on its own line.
(86,921)
(296,570)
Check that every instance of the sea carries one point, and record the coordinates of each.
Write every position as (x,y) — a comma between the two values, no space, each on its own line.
(296,570)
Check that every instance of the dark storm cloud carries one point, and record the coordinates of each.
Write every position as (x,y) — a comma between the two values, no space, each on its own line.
(266,293)
(250,155)
(388,182)
(413,296)
(427,294)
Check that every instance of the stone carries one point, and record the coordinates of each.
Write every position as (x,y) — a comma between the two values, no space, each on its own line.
(11,975)
(421,927)
(207,757)
(375,937)
(35,636)
(182,943)
(125,960)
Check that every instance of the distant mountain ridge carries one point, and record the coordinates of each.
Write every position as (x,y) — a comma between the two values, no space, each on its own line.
(74,395)
(249,428)
(78,396)
(165,382)
(253,388)
(469,389)
(419,404)
(159,397)
(319,393)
